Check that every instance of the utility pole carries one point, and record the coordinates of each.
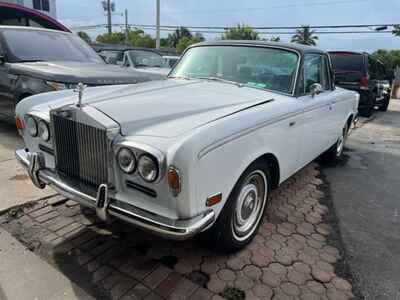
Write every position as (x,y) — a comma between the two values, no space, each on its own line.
(158,25)
(126,27)
(109,16)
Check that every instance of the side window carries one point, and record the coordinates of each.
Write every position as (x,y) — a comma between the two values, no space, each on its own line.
(315,70)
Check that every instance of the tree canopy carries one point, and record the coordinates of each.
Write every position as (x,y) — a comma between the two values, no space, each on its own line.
(84,36)
(305,36)
(174,38)
(240,32)
(390,59)
(186,42)
(137,38)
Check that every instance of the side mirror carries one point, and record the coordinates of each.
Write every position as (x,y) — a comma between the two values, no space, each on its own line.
(315,89)
(2,59)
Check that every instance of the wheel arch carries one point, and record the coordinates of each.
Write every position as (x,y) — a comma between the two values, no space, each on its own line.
(272,162)
(350,120)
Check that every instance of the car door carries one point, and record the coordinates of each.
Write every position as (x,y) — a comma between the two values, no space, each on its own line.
(318,120)
(7,103)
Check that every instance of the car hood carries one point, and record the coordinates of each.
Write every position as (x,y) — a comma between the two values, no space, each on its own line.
(167,108)
(75,72)
(171,108)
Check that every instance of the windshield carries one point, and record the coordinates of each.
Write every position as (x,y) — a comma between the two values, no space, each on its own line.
(32,45)
(260,67)
(142,58)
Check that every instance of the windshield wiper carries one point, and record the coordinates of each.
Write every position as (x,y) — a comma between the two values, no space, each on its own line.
(180,77)
(218,79)
(141,65)
(30,60)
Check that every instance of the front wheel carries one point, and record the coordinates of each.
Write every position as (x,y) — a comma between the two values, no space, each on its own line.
(241,216)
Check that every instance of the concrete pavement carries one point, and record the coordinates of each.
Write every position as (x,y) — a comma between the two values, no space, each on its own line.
(23,275)
(15,186)
(366,195)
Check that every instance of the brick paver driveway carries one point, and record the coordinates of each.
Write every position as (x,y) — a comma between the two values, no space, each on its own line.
(290,258)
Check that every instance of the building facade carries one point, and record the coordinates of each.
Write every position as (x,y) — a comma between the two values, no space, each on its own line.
(45,6)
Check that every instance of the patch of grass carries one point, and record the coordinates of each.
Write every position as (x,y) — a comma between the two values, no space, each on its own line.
(233,294)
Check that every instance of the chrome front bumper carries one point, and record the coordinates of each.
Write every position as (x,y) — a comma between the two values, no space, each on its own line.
(176,229)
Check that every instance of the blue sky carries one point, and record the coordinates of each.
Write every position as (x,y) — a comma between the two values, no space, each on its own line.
(254,13)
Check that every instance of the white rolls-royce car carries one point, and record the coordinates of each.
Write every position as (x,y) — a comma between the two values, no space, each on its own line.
(197,152)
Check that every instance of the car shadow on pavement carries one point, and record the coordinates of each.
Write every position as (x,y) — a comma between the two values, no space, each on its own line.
(293,254)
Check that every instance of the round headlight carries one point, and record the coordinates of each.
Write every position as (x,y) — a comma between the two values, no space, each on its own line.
(126,160)
(148,168)
(32,126)
(44,131)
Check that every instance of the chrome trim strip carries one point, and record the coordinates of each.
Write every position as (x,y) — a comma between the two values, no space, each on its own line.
(179,229)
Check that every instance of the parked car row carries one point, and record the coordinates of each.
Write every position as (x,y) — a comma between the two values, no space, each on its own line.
(28,68)
(144,60)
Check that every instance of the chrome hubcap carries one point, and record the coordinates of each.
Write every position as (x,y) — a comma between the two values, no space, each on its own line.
(250,205)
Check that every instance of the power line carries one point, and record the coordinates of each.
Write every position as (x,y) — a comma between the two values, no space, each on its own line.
(254,27)
(239,10)
(220,31)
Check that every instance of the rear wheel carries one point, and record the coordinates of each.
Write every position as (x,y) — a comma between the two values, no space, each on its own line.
(334,154)
(242,214)
(368,108)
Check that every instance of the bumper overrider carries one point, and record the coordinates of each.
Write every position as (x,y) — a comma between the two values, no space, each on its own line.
(177,229)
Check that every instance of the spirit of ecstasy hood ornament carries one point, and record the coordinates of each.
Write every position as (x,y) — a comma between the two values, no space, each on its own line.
(79,89)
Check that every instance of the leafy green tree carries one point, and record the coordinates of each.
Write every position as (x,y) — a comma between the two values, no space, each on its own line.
(305,36)
(390,59)
(84,36)
(177,35)
(113,38)
(240,32)
(396,30)
(186,42)
(139,38)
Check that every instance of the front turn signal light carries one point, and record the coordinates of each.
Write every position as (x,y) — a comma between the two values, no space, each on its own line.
(19,124)
(213,200)
(174,181)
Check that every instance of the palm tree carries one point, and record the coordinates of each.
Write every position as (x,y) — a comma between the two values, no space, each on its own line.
(305,36)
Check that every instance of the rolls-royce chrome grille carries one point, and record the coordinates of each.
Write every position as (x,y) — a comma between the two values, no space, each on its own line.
(81,151)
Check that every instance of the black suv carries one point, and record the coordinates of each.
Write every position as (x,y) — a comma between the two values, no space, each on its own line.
(360,72)
(34,61)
